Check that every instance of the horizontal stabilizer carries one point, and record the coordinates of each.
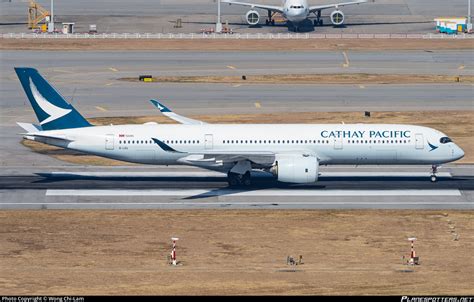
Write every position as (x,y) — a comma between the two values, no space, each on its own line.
(32,136)
(30,127)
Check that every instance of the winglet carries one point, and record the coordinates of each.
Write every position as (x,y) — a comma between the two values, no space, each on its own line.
(164,146)
(160,106)
(179,118)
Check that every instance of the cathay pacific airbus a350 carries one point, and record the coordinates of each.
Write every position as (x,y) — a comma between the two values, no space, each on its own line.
(291,152)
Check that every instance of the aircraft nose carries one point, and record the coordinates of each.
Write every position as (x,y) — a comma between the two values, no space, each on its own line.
(291,13)
(458,153)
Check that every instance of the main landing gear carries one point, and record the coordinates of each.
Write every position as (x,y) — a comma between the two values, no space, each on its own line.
(270,19)
(237,180)
(434,170)
(318,21)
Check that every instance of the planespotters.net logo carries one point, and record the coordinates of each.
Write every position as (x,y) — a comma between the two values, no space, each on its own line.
(437,299)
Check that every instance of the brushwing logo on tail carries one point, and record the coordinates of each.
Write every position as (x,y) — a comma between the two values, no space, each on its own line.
(54,112)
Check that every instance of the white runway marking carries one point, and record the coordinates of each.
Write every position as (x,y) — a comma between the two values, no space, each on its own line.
(346,60)
(233,193)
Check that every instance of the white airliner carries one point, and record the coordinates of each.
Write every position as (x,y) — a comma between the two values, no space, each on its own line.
(291,152)
(295,11)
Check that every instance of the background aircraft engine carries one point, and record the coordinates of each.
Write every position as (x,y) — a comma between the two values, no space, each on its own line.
(337,17)
(296,168)
(252,17)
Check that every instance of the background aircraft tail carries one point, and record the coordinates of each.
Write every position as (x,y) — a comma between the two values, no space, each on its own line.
(51,108)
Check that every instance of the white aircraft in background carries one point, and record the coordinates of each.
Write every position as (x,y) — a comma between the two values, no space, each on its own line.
(291,152)
(295,11)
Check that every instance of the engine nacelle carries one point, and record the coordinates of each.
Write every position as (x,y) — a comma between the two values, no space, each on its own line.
(252,17)
(337,17)
(296,168)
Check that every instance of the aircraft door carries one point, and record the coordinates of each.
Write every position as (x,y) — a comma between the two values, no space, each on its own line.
(109,142)
(208,141)
(419,142)
(338,143)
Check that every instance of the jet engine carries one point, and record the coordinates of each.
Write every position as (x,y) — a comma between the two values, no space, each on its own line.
(252,17)
(296,168)
(337,17)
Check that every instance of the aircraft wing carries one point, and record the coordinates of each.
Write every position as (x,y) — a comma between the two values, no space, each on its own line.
(179,118)
(258,157)
(273,8)
(316,8)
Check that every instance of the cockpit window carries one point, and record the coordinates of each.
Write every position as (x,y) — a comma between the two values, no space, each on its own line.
(445,140)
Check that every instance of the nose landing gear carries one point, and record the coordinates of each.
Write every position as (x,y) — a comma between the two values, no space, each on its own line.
(434,170)
(318,21)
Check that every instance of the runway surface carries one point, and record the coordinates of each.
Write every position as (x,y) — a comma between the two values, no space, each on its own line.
(190,188)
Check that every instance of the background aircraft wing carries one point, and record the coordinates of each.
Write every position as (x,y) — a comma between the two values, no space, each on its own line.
(179,118)
(273,8)
(315,8)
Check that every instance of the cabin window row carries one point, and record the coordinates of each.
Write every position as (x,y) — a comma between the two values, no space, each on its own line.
(313,141)
(151,142)
(190,142)
(275,141)
(124,142)
(380,141)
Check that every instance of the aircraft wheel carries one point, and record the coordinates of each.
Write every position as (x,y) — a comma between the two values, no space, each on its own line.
(246,179)
(233,179)
(433,178)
